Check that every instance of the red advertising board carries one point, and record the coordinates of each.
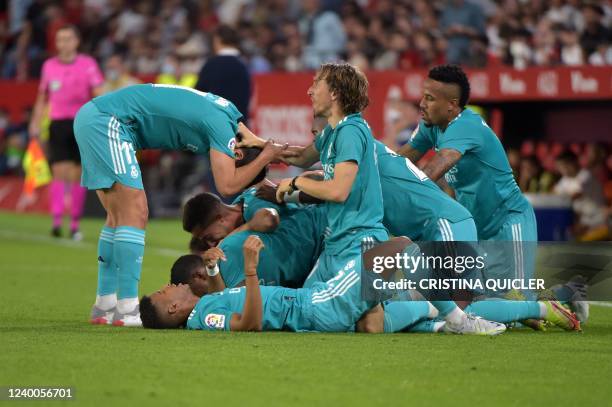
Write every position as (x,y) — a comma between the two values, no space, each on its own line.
(281,108)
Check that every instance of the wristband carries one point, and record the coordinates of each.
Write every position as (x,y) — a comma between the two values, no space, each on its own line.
(212,271)
(292,184)
(293,197)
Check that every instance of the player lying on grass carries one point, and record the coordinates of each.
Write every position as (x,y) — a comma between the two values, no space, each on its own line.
(200,273)
(333,306)
(109,130)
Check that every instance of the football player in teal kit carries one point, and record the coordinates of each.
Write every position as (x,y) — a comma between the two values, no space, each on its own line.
(473,162)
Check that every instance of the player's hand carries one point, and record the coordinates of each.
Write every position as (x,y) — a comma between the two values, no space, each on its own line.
(273,152)
(212,256)
(284,187)
(248,138)
(251,248)
(267,193)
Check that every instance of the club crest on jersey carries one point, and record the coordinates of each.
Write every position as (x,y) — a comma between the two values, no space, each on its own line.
(191,147)
(216,321)
(134,172)
(231,144)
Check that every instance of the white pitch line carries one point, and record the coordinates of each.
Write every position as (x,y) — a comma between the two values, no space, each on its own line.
(11,234)
(601,304)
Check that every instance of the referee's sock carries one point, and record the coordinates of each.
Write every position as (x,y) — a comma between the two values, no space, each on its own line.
(56,195)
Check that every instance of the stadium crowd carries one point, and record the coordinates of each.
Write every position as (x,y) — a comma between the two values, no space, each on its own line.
(168,41)
(290,35)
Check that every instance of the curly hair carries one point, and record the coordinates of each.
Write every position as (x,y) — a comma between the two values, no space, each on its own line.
(452,74)
(349,83)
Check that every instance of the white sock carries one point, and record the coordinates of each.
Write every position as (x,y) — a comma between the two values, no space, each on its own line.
(432,311)
(106,302)
(437,326)
(127,305)
(543,310)
(456,316)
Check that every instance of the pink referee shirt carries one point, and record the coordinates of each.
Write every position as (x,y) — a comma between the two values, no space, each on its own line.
(69,86)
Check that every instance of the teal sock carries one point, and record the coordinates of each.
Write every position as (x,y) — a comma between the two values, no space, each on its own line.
(401,314)
(107,272)
(444,307)
(505,311)
(427,326)
(128,252)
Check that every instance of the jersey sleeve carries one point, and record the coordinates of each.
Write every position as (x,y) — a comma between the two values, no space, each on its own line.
(461,136)
(421,138)
(94,74)
(221,135)
(217,319)
(350,144)
(252,204)
(232,269)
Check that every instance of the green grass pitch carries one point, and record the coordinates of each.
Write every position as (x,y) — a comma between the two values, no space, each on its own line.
(47,287)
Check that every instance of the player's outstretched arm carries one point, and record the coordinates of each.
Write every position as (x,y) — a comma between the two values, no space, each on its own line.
(230,180)
(410,152)
(336,189)
(251,318)
(303,157)
(443,161)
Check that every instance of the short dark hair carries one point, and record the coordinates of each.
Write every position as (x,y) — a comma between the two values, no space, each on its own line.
(149,316)
(350,84)
(197,245)
(452,74)
(183,268)
(201,211)
(227,35)
(249,155)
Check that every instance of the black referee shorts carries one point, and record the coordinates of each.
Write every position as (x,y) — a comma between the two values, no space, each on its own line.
(62,144)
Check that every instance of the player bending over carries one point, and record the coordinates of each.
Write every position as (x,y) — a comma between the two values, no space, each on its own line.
(109,130)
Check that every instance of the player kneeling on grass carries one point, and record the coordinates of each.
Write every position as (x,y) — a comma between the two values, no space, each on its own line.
(334,306)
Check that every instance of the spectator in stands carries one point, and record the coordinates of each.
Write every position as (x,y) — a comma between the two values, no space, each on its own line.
(587,198)
(533,178)
(225,74)
(595,34)
(461,21)
(68,81)
(117,75)
(171,73)
(324,33)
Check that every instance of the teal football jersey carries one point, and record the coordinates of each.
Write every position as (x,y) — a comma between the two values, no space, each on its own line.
(482,178)
(290,251)
(284,309)
(362,213)
(251,204)
(411,200)
(173,117)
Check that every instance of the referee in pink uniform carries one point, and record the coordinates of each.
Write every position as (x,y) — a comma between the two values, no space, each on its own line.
(68,81)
